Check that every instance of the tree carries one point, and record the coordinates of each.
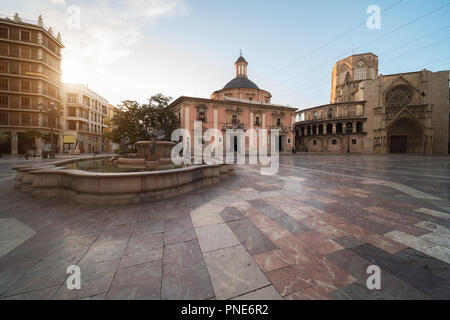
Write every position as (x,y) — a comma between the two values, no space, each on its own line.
(127,122)
(138,120)
(157,116)
(32,134)
(4,137)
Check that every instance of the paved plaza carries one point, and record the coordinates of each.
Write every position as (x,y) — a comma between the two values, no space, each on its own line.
(309,232)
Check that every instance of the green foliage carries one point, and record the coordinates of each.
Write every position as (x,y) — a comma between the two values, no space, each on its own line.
(135,120)
(3,137)
(31,134)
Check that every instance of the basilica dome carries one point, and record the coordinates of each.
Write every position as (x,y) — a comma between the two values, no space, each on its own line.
(241,87)
(241,82)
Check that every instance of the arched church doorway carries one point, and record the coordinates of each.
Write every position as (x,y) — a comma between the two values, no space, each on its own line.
(399,144)
(406,136)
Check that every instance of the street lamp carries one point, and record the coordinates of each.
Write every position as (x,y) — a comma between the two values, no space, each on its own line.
(52,111)
(349,131)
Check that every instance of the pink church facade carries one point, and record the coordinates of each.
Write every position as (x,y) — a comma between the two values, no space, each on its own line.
(241,104)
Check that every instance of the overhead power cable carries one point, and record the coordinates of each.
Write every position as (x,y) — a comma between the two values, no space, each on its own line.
(328,43)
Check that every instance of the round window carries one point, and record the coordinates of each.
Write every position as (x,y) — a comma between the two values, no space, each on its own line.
(398,97)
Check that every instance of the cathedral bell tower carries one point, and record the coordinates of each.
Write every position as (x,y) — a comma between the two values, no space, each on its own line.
(241,67)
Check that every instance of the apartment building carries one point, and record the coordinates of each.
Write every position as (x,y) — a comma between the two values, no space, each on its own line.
(84,119)
(30,85)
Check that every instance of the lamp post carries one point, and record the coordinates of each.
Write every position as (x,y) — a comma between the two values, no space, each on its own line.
(52,111)
(349,131)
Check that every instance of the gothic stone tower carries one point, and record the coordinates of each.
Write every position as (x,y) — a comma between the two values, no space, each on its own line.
(349,73)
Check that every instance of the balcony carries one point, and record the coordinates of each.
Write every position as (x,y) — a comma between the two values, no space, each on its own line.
(280,126)
(49,43)
(235,125)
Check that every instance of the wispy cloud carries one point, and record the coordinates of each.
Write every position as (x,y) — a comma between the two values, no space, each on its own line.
(155,8)
(109,31)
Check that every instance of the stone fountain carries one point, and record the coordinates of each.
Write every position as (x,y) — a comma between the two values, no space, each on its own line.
(152,152)
(157,178)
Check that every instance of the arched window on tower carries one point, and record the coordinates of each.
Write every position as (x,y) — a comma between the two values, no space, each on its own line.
(360,72)
(330,113)
(257,121)
(234,119)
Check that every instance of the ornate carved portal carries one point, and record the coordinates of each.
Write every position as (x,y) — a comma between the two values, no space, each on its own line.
(406,136)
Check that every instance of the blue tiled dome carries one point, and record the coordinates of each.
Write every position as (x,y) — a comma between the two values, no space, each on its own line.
(241,82)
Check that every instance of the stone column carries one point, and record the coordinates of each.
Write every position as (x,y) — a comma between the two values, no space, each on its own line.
(251,119)
(215,118)
(186,126)
(38,143)
(14,143)
(186,117)
(264,120)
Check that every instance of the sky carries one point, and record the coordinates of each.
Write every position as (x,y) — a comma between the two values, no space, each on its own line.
(132,49)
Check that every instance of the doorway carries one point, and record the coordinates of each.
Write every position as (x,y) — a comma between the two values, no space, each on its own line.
(399,144)
(406,135)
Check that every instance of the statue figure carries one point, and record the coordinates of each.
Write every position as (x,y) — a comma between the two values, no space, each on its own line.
(155,135)
(348,90)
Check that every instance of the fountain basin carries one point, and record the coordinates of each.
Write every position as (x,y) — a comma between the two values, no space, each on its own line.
(53,180)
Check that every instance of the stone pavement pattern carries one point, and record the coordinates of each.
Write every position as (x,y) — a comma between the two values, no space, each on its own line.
(309,232)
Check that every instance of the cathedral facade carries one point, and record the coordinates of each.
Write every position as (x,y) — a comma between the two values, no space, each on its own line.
(240,104)
(372,113)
